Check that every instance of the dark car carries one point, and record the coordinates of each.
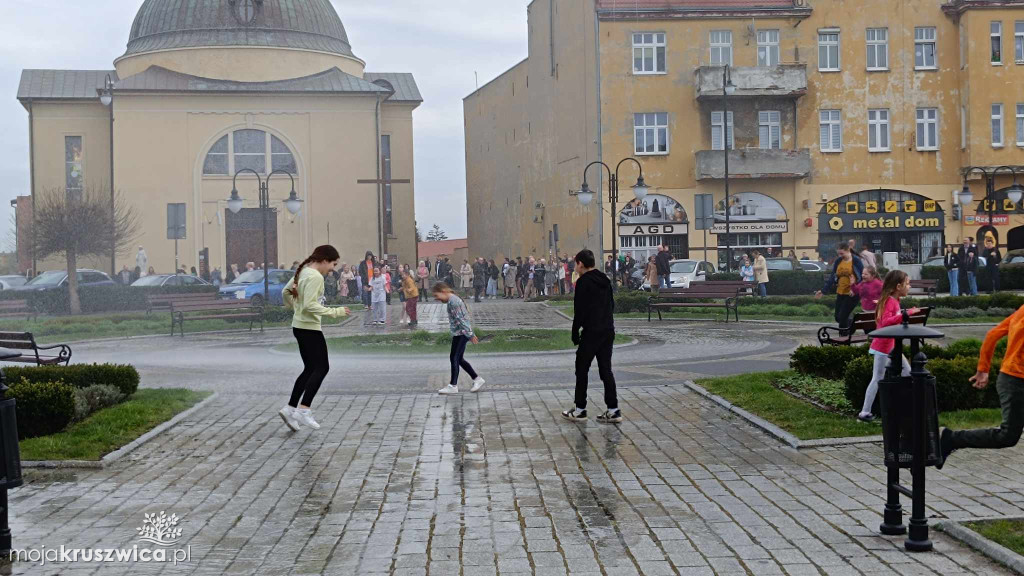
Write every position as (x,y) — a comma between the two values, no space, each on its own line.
(12,281)
(170,280)
(777,264)
(58,280)
(1013,257)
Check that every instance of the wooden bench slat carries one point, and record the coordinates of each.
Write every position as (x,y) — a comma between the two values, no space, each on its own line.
(57,354)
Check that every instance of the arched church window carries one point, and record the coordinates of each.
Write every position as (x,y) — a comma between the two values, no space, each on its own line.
(280,156)
(251,150)
(217,158)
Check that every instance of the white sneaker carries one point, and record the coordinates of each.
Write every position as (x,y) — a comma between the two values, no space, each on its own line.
(449,389)
(477,384)
(305,416)
(288,415)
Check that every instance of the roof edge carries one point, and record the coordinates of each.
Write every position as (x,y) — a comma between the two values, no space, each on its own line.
(956,7)
(496,78)
(371,88)
(703,13)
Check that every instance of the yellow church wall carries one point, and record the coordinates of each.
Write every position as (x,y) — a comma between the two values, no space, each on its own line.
(241,64)
(396,121)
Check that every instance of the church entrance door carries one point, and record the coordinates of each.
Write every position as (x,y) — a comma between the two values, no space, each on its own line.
(244,232)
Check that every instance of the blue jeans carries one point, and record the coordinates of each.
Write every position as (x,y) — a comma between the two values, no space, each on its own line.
(665,280)
(954,282)
(973,283)
(762,289)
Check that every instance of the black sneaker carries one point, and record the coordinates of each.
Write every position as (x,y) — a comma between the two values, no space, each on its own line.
(866,417)
(610,417)
(572,414)
(945,446)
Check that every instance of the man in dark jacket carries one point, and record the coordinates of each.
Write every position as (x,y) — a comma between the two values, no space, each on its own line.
(968,256)
(663,262)
(593,307)
(479,278)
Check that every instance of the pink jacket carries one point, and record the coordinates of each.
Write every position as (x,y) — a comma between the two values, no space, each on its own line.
(868,292)
(890,315)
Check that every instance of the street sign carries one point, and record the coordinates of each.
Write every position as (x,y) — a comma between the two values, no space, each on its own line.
(176,221)
(705,211)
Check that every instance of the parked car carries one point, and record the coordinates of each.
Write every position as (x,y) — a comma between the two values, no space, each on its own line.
(686,270)
(12,281)
(777,264)
(812,266)
(1011,257)
(170,280)
(937,261)
(58,280)
(250,285)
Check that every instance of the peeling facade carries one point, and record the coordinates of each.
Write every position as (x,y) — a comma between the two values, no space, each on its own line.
(849,120)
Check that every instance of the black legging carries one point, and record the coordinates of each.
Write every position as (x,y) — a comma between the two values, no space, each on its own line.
(313,349)
(458,351)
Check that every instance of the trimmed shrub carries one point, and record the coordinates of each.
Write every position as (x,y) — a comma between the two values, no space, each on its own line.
(952,383)
(825,361)
(95,299)
(857,376)
(42,407)
(785,282)
(124,378)
(95,397)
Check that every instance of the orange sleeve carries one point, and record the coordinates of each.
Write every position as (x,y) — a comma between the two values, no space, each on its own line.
(992,338)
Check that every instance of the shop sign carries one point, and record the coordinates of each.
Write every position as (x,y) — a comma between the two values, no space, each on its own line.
(652,229)
(744,227)
(656,209)
(750,212)
(982,219)
(919,222)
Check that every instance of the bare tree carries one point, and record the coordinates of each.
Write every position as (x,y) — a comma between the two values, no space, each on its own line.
(79,223)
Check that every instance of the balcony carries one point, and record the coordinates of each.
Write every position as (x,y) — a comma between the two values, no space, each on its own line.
(747,163)
(782,81)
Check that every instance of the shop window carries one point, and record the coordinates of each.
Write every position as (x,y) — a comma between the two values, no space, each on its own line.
(649,53)
(767,47)
(878,48)
(721,47)
(924,48)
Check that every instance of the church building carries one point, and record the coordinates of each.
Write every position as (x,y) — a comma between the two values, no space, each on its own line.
(215,94)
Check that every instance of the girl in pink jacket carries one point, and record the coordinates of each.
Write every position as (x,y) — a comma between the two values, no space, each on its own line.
(869,289)
(896,286)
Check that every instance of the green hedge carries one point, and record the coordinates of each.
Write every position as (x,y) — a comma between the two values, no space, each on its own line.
(784,282)
(124,378)
(42,407)
(825,361)
(1011,277)
(96,299)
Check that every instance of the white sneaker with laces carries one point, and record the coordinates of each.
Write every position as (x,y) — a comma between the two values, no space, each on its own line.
(477,384)
(305,416)
(288,415)
(449,389)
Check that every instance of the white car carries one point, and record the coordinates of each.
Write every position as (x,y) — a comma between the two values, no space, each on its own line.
(12,281)
(685,271)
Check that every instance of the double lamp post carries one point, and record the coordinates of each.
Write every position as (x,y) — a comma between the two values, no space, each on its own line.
(1014,193)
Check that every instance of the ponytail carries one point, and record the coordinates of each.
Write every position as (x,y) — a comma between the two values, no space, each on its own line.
(892,282)
(325,253)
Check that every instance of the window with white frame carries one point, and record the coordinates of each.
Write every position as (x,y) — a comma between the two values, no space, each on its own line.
(649,53)
(996,39)
(828,51)
(878,130)
(1020,124)
(767,47)
(831,131)
(721,47)
(924,48)
(769,130)
(716,132)
(997,125)
(651,133)
(1018,42)
(927,128)
(878,48)
(253,149)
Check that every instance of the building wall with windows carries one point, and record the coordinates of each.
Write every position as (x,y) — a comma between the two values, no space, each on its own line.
(852,107)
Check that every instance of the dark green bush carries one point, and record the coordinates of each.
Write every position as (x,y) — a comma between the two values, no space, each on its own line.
(42,407)
(124,378)
(95,397)
(857,376)
(825,361)
(96,299)
(785,282)
(1011,277)
(952,384)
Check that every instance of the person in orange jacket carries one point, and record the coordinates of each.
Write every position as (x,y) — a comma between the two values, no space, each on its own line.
(1009,384)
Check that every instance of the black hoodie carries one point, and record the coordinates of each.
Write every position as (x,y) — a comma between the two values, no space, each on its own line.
(593,305)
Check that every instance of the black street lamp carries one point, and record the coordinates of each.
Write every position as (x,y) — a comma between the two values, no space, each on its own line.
(107,99)
(727,88)
(1015,192)
(293,204)
(586,196)
(10,455)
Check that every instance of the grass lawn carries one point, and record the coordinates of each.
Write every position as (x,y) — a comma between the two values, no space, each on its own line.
(107,430)
(429,343)
(53,329)
(756,393)
(1007,533)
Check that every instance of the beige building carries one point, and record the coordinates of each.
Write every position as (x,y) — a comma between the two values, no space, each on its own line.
(845,120)
(217,86)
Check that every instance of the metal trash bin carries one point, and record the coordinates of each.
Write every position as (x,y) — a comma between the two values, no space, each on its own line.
(896,397)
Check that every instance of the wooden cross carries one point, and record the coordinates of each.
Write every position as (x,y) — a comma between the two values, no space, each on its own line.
(382,239)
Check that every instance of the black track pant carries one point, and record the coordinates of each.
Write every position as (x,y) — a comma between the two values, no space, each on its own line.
(313,349)
(458,351)
(595,346)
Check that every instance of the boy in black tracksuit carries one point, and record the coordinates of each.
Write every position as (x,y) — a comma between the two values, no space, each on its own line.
(593,307)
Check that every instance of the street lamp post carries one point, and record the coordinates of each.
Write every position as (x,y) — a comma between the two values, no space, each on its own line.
(17,239)
(107,99)
(293,204)
(727,88)
(586,196)
(1015,192)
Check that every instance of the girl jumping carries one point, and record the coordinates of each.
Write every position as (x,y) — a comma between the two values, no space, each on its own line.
(896,286)
(462,334)
(304,294)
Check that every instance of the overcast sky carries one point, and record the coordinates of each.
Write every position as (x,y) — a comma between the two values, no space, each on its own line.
(442,43)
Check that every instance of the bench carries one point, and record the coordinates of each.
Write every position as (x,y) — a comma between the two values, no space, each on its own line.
(863,322)
(927,288)
(213,309)
(164,301)
(16,308)
(711,294)
(32,352)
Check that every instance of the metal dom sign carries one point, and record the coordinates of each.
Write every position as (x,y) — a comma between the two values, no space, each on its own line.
(900,223)
(890,216)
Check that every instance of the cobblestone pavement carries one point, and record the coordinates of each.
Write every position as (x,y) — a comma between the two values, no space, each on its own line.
(402,482)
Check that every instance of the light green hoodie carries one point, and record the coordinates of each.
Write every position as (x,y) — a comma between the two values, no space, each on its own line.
(307,307)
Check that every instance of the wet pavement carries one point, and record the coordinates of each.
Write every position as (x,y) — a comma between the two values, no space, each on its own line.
(400,481)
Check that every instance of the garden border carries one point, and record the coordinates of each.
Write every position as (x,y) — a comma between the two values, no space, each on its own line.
(775,431)
(993,550)
(112,457)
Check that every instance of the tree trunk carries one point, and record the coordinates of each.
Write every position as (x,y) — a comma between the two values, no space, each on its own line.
(74,306)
